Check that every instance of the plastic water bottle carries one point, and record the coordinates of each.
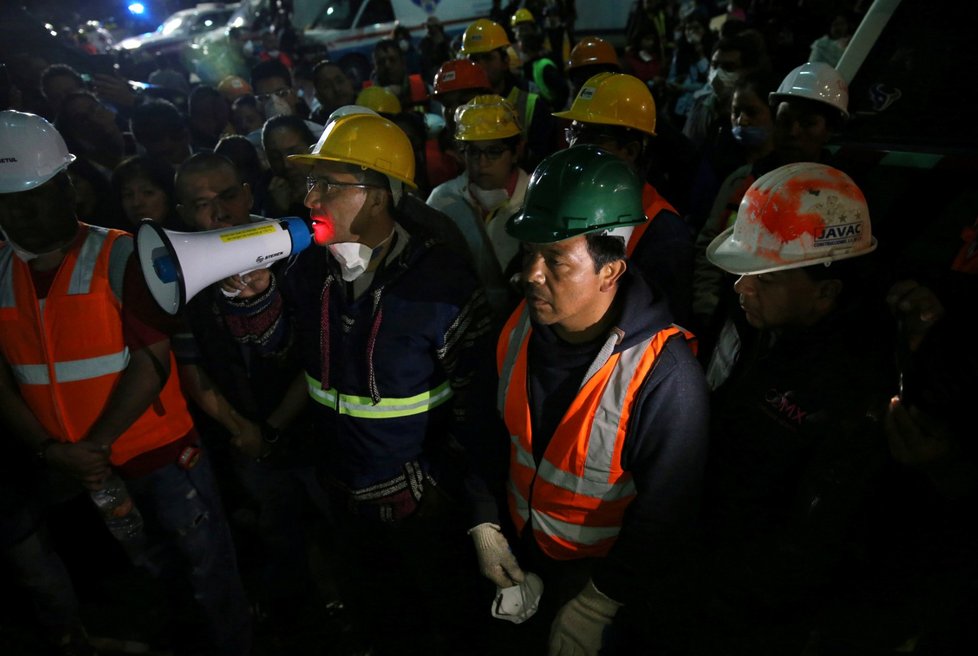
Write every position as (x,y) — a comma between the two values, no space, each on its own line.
(120,515)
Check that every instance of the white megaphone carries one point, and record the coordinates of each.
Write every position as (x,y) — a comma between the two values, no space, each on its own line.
(177,265)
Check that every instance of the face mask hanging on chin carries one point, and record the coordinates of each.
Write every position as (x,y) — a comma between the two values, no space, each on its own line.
(354,257)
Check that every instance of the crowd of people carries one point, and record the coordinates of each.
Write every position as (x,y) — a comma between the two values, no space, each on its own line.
(595,351)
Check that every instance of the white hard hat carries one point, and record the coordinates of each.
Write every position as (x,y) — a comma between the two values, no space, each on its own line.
(795,216)
(31,152)
(815,81)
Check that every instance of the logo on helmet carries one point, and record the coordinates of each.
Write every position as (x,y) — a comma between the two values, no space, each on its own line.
(843,233)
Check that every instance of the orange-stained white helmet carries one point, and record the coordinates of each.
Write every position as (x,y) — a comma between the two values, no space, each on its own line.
(815,81)
(795,216)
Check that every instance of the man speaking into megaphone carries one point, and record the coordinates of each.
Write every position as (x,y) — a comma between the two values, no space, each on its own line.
(393,334)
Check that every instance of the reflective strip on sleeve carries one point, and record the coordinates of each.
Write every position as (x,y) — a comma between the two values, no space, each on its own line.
(70,371)
(387,408)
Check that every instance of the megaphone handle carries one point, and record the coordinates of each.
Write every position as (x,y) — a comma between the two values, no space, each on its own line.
(237,292)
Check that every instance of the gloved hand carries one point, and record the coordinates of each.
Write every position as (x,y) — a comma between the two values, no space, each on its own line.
(496,562)
(579,625)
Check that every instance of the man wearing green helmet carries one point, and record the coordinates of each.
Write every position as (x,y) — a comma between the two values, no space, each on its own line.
(606,409)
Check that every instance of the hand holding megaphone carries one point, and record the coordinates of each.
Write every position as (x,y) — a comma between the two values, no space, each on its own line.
(247,284)
(177,265)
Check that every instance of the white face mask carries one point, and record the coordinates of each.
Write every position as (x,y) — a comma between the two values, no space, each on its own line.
(727,79)
(404,44)
(354,257)
(276,106)
(488,199)
(518,603)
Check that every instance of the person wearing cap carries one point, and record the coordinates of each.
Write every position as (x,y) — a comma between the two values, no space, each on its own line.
(488,192)
(392,332)
(795,444)
(616,111)
(88,386)
(809,107)
(590,56)
(606,408)
(457,82)
(542,74)
(485,43)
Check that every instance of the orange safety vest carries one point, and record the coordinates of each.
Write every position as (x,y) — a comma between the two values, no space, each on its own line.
(966,261)
(653,203)
(67,351)
(578,494)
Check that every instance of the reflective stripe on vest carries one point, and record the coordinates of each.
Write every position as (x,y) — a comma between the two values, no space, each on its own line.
(81,275)
(71,370)
(67,351)
(538,68)
(524,102)
(653,203)
(387,408)
(579,490)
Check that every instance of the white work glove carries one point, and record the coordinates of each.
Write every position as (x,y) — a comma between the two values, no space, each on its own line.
(580,624)
(496,562)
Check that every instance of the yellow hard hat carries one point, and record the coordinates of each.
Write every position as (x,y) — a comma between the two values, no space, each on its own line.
(614,99)
(380,99)
(592,50)
(485,118)
(521,16)
(483,35)
(365,140)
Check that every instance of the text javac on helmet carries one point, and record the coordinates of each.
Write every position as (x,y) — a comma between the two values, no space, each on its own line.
(794,216)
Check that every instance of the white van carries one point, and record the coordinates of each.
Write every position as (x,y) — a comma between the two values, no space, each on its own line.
(351,28)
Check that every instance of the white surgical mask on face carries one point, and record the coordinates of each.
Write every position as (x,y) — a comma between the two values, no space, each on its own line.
(727,78)
(354,257)
(276,106)
(488,199)
(404,45)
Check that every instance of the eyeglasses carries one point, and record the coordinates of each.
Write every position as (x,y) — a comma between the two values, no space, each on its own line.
(492,154)
(278,93)
(331,187)
(587,135)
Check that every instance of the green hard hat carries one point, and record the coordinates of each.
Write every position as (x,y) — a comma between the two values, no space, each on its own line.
(576,191)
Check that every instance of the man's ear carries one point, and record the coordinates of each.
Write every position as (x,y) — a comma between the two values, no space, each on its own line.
(610,274)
